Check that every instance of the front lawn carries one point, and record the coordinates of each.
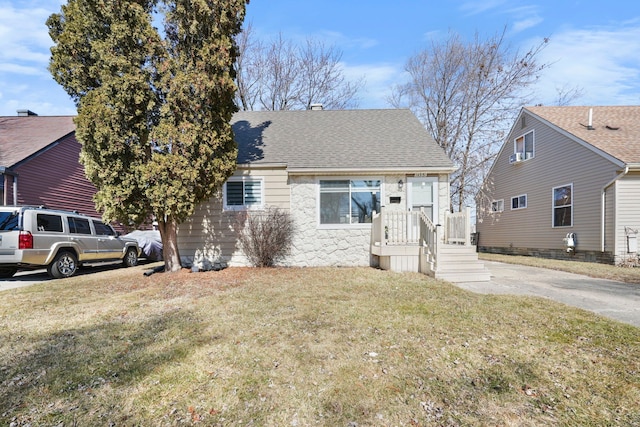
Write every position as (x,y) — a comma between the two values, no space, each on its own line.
(302,347)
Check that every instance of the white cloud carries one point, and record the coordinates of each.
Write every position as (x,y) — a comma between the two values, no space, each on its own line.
(22,69)
(476,7)
(603,62)
(24,33)
(526,23)
(379,79)
(345,42)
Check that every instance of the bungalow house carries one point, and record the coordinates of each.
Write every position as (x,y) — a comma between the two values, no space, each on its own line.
(39,163)
(362,187)
(566,184)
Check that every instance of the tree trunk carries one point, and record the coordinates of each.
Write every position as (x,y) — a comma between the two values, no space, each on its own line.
(168,233)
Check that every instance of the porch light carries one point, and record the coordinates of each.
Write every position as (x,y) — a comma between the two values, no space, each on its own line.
(400,185)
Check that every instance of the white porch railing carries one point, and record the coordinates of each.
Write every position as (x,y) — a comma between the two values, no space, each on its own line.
(393,229)
(457,227)
(393,234)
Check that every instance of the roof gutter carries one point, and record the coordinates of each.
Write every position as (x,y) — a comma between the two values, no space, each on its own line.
(603,206)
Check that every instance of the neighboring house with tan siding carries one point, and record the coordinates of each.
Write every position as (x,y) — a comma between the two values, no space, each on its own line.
(39,163)
(565,172)
(332,170)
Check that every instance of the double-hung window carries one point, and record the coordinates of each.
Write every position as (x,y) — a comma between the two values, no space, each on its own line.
(243,193)
(563,206)
(348,201)
(519,202)
(523,146)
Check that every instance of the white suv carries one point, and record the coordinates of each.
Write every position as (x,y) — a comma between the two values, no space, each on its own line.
(36,237)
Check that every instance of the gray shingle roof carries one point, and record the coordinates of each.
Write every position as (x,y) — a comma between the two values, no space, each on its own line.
(616,129)
(23,136)
(313,140)
(337,139)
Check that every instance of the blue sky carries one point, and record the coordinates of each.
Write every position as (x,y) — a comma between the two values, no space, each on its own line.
(594,45)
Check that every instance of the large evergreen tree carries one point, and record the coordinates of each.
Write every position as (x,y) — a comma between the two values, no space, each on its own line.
(154,107)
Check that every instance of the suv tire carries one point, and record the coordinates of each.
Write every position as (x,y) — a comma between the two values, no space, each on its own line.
(130,258)
(65,264)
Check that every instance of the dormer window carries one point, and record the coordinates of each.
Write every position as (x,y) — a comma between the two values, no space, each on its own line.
(523,146)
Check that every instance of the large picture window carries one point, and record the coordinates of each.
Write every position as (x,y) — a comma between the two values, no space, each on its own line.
(349,201)
(243,193)
(563,206)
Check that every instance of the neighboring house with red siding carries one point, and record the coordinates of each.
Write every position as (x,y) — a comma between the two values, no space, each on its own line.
(39,164)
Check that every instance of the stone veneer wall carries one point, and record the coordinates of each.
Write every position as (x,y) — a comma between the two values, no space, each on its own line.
(314,247)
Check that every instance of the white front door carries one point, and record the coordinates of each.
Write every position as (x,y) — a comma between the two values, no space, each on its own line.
(422,193)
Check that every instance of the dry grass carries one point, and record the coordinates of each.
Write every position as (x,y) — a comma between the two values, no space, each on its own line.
(592,269)
(302,347)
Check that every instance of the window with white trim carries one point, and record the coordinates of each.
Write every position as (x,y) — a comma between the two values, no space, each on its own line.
(243,192)
(563,206)
(348,201)
(519,202)
(497,205)
(524,145)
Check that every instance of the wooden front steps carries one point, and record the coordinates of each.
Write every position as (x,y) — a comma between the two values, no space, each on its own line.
(459,263)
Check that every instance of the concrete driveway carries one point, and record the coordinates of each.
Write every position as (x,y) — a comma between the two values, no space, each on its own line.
(615,300)
(32,277)
(24,278)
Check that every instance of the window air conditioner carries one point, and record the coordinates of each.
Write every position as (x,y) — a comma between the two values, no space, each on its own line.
(515,158)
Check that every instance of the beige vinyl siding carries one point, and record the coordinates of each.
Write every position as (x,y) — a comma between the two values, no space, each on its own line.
(628,210)
(558,161)
(211,232)
(610,198)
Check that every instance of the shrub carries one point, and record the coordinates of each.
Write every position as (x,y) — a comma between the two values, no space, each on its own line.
(266,236)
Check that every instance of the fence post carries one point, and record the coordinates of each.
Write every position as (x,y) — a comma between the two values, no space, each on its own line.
(446,231)
(467,226)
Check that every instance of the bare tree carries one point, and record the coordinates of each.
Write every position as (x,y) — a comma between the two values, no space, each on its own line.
(565,95)
(467,94)
(322,79)
(278,85)
(281,75)
(248,69)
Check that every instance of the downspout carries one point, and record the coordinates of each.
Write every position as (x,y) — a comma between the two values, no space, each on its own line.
(4,171)
(15,190)
(602,203)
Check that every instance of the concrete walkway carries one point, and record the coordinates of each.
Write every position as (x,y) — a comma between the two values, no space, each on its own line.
(615,300)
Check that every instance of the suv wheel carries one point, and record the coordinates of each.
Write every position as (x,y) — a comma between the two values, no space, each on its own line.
(130,258)
(7,272)
(65,264)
